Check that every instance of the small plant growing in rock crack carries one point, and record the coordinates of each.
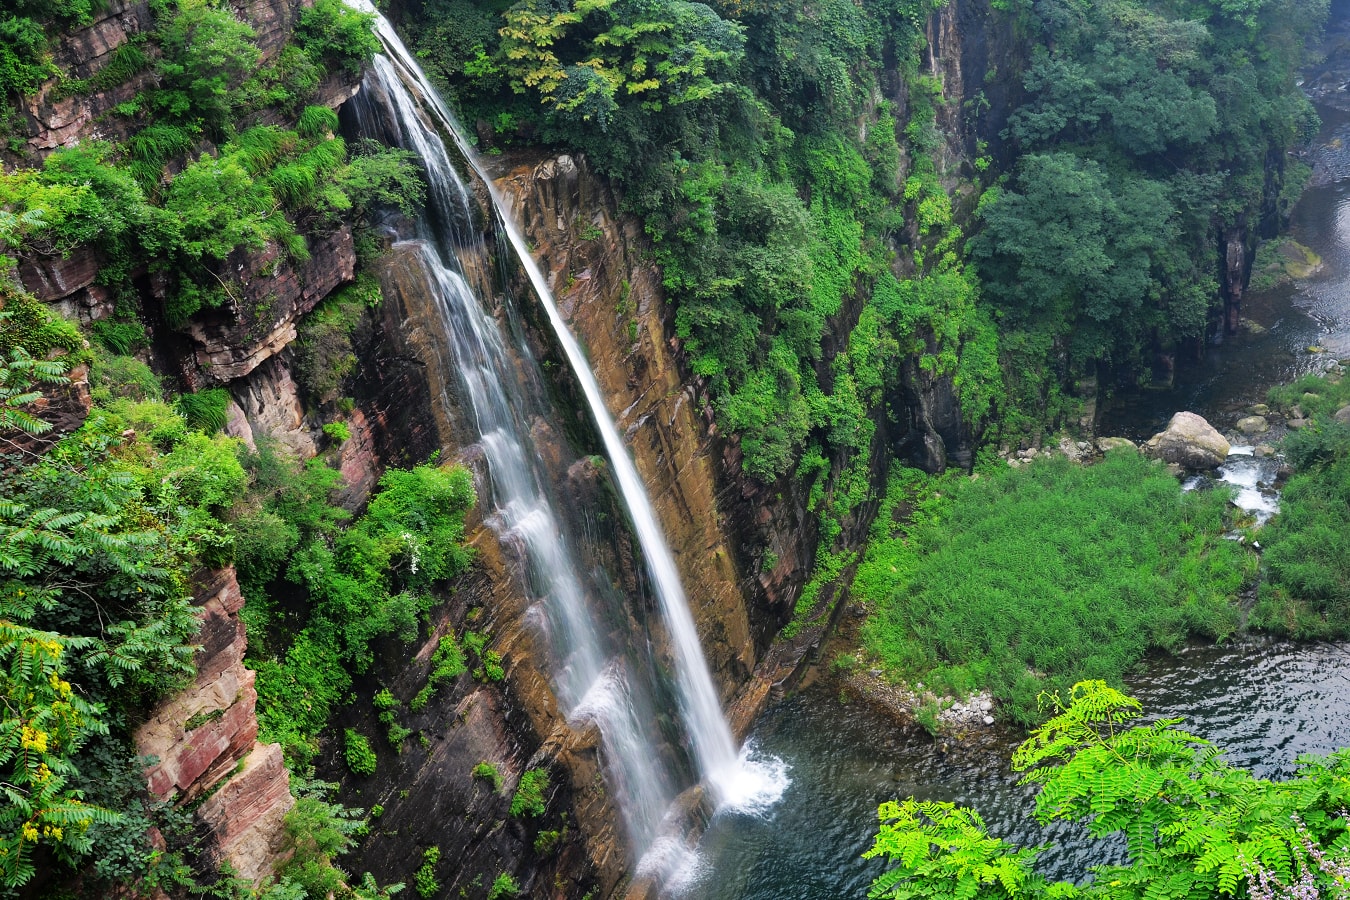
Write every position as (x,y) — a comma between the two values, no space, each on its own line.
(338,431)
(425,878)
(489,771)
(529,796)
(361,759)
(503,886)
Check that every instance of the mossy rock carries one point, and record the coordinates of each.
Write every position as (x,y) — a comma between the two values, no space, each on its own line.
(1281,262)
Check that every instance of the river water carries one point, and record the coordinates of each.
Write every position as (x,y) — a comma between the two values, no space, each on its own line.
(1264,701)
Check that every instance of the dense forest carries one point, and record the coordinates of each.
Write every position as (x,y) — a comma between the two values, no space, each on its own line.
(844,230)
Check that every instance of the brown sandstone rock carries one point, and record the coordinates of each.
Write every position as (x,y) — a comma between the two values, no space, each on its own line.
(206,734)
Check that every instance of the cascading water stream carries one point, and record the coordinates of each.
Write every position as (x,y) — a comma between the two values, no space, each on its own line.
(587,684)
(593,683)
(592,679)
(734,781)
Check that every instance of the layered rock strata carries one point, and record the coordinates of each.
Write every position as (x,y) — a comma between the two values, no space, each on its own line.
(203,741)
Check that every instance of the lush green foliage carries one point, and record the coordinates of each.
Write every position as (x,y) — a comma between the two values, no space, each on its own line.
(97,541)
(1148,128)
(1193,826)
(446,663)
(1306,586)
(1019,580)
(264,185)
(360,757)
(490,772)
(318,832)
(503,886)
(375,578)
(425,880)
(528,799)
(21,378)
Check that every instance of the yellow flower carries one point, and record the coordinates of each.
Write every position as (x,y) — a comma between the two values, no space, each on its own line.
(42,773)
(58,685)
(32,739)
(30,832)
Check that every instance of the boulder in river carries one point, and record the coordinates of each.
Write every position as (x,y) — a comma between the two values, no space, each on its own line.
(1107,444)
(1253,425)
(1188,441)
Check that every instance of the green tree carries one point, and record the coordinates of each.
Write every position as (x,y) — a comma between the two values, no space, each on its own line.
(44,724)
(208,52)
(1193,825)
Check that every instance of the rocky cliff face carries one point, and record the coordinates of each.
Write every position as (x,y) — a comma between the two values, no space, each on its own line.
(722,526)
(203,741)
(61,114)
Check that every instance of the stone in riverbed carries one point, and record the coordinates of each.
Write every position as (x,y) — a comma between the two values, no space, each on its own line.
(1295,424)
(1189,441)
(1342,415)
(1107,444)
(1260,409)
(1253,425)
(1263,450)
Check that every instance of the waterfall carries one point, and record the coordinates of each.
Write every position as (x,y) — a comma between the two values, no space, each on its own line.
(593,682)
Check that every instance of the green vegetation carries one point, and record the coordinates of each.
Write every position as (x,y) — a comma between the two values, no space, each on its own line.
(324,355)
(1148,129)
(388,707)
(265,185)
(318,832)
(489,666)
(1305,591)
(98,540)
(360,757)
(503,886)
(545,842)
(446,663)
(529,797)
(1021,580)
(375,577)
(338,432)
(489,771)
(1191,824)
(425,880)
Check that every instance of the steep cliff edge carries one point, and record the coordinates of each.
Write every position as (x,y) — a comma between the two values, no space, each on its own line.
(744,548)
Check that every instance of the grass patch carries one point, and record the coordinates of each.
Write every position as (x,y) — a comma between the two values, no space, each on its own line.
(1025,580)
(1314,394)
(1305,588)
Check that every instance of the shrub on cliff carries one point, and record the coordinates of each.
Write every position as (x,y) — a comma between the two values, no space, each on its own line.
(528,799)
(97,542)
(360,757)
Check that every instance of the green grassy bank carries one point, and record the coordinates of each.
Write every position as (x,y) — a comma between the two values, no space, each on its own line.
(1018,581)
